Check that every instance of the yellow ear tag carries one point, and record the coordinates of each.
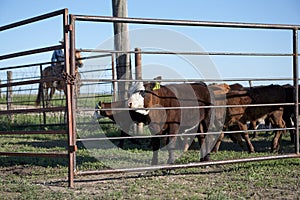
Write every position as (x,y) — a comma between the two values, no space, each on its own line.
(99,106)
(157,86)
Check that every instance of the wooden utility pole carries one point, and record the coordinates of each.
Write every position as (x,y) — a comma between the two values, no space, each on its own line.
(122,44)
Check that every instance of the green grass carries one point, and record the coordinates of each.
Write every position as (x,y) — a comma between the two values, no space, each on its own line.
(36,178)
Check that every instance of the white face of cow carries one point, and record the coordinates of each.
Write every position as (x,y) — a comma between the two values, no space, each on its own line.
(136,100)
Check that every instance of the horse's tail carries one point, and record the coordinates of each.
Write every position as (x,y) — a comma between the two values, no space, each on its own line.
(39,95)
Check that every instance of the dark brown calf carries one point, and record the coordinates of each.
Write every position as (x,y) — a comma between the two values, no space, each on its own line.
(123,118)
(257,95)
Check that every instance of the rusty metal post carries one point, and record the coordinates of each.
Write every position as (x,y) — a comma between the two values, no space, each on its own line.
(296,94)
(70,70)
(138,76)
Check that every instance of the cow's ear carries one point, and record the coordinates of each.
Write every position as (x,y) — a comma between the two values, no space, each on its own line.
(156,84)
(99,105)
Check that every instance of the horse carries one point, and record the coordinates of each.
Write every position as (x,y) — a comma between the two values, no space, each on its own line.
(165,121)
(52,78)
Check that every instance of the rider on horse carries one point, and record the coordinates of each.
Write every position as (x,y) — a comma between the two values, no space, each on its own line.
(57,60)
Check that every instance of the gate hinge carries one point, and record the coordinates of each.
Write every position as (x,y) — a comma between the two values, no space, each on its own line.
(68,28)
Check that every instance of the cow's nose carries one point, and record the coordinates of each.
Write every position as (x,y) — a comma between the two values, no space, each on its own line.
(129,104)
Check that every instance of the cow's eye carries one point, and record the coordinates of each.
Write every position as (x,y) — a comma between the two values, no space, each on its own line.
(142,93)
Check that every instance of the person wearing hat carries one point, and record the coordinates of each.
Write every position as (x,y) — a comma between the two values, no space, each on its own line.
(57,60)
(58,56)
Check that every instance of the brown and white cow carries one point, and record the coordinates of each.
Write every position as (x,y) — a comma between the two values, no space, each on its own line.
(175,109)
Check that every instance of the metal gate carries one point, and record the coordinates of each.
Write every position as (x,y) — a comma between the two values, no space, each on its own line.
(26,85)
(188,23)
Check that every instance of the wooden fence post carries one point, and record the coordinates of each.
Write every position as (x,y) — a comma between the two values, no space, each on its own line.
(138,76)
(9,96)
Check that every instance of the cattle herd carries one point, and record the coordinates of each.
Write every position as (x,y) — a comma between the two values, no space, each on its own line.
(174,109)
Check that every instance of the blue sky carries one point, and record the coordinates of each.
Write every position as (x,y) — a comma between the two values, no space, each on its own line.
(215,39)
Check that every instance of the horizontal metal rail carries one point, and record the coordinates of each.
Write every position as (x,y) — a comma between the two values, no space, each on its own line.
(192,53)
(38,64)
(33,19)
(46,155)
(182,22)
(30,52)
(189,165)
(34,81)
(192,107)
(191,80)
(34,132)
(177,135)
(32,110)
(24,66)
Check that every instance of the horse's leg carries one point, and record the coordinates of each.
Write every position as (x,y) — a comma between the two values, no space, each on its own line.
(52,90)
(46,94)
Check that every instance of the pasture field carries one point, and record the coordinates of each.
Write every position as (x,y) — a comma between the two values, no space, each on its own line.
(46,178)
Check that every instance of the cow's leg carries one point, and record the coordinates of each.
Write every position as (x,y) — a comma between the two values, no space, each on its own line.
(121,143)
(124,134)
(204,141)
(278,134)
(253,127)
(289,121)
(218,143)
(155,142)
(219,126)
(171,148)
(237,137)
(276,142)
(186,144)
(155,147)
(172,142)
(245,135)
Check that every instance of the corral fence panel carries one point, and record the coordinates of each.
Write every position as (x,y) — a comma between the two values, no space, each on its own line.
(20,117)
